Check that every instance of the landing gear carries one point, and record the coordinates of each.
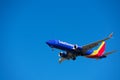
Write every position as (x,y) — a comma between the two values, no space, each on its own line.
(74,58)
(52,49)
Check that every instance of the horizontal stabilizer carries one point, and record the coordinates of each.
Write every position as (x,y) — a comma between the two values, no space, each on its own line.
(107,53)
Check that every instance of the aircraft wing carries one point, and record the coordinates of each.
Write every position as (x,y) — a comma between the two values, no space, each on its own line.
(94,44)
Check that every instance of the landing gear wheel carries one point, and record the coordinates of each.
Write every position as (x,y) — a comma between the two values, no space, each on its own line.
(74,58)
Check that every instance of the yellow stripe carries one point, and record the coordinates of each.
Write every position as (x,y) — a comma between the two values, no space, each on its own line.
(95,52)
(101,45)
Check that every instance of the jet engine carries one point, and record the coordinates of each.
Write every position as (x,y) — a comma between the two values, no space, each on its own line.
(62,54)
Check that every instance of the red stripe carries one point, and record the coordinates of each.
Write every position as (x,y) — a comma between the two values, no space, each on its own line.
(100,52)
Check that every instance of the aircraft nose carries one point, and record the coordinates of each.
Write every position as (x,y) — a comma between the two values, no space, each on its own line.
(51,42)
(48,42)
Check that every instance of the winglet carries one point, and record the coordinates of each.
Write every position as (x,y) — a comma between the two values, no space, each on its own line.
(111,35)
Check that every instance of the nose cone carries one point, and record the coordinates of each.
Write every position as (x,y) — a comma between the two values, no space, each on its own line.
(51,43)
(48,43)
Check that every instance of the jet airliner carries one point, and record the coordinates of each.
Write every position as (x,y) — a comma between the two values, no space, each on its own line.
(72,51)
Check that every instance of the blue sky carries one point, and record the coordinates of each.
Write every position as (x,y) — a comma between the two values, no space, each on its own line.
(27,24)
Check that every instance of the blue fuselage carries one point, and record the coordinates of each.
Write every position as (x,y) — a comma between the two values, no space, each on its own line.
(66,46)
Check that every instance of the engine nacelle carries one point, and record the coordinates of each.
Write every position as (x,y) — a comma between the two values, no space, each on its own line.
(75,46)
(62,54)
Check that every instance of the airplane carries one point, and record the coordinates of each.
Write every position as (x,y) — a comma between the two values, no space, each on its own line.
(71,51)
